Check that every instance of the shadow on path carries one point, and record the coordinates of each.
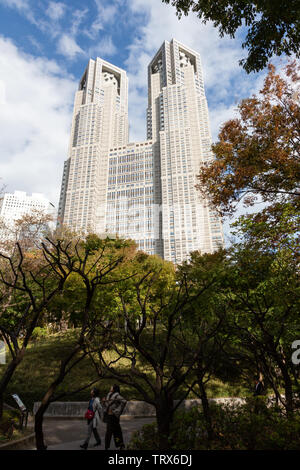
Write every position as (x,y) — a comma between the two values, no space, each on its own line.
(66,434)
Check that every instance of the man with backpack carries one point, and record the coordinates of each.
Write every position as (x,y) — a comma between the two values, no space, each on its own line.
(113,406)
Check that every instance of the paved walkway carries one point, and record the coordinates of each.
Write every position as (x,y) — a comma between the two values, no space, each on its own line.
(68,434)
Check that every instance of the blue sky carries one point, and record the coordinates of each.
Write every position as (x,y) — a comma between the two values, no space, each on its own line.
(44,48)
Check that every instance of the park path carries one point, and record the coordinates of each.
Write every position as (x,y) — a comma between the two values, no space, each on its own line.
(68,434)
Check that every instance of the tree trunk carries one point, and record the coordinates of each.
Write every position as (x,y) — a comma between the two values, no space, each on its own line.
(288,391)
(7,377)
(164,416)
(288,385)
(206,408)
(38,426)
(1,406)
(39,417)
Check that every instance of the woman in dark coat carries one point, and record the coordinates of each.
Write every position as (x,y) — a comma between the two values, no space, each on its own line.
(113,406)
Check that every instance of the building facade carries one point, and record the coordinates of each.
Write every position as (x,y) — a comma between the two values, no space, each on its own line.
(178,124)
(14,206)
(132,211)
(100,121)
(144,190)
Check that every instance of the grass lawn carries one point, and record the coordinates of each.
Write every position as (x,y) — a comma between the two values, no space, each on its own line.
(40,366)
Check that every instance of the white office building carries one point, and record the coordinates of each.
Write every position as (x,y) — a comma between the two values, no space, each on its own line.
(14,206)
(100,121)
(142,190)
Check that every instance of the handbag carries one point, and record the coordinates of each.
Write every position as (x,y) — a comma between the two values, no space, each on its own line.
(89,414)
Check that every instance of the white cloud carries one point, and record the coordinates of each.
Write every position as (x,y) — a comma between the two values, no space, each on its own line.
(19,4)
(105,14)
(56,10)
(240,210)
(77,19)
(68,47)
(23,6)
(2,92)
(35,43)
(34,120)
(104,48)
(225,81)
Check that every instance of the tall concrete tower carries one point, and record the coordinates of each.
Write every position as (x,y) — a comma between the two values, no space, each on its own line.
(142,190)
(100,121)
(178,124)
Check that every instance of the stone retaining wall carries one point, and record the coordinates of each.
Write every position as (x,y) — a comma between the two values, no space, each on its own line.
(133,408)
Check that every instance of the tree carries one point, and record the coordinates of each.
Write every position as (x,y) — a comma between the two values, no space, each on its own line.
(93,264)
(147,352)
(28,283)
(264,314)
(28,231)
(273,229)
(273,27)
(205,330)
(258,154)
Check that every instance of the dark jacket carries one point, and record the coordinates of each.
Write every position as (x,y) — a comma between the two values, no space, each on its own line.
(258,389)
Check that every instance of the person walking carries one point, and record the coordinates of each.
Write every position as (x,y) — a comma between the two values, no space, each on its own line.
(257,392)
(93,415)
(259,386)
(113,406)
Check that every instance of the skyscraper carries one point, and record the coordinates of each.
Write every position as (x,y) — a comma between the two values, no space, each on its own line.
(145,190)
(100,121)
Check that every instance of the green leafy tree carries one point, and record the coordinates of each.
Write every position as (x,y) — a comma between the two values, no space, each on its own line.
(28,283)
(147,351)
(205,329)
(94,266)
(264,315)
(273,28)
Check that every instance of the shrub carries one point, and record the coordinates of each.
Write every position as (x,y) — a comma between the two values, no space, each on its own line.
(39,333)
(145,439)
(10,421)
(254,425)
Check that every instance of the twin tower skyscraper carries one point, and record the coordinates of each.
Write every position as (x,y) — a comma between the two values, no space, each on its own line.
(142,190)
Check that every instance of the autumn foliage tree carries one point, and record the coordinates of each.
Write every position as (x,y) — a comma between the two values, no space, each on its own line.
(28,231)
(258,153)
(257,160)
